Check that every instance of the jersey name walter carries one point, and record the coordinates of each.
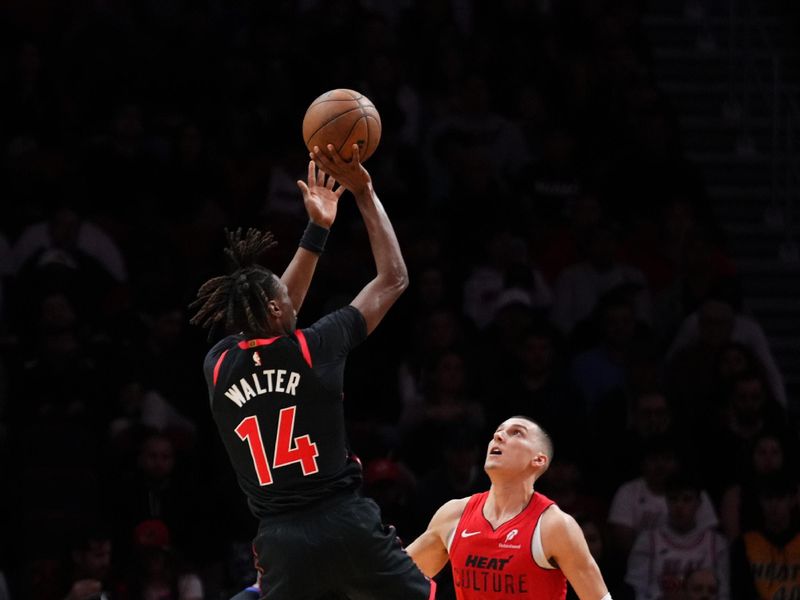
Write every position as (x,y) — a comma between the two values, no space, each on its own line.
(263,382)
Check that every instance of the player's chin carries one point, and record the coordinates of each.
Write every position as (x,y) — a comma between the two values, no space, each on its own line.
(491,462)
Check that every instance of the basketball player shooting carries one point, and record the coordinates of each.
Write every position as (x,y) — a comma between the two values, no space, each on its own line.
(511,542)
(276,398)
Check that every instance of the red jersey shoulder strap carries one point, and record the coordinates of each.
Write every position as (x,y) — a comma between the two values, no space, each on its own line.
(476,502)
(539,503)
(301,339)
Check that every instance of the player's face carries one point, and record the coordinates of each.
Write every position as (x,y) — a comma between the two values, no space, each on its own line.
(515,446)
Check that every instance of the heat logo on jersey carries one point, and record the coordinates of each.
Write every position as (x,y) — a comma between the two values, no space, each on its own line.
(483,574)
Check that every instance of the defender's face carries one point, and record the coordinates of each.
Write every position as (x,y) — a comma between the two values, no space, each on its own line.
(515,446)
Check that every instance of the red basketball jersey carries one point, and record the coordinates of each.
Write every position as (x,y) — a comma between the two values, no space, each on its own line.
(498,564)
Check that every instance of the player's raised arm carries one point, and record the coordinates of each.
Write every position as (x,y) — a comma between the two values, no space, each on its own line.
(391,279)
(429,550)
(321,199)
(563,543)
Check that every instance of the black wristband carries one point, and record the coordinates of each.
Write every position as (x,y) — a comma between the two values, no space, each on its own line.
(314,237)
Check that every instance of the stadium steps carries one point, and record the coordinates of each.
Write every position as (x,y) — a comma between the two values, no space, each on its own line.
(732,141)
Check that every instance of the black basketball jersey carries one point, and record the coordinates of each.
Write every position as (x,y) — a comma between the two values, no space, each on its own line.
(282,428)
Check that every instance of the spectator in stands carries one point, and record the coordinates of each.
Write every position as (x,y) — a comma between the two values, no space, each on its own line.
(61,377)
(505,267)
(766,559)
(726,445)
(450,399)
(158,488)
(704,268)
(662,558)
(733,359)
(605,367)
(492,145)
(580,286)
(538,385)
(699,340)
(434,333)
(552,183)
(640,504)
(458,473)
(163,354)
(739,508)
(155,570)
(86,573)
(73,250)
(567,485)
(140,409)
(630,429)
(563,246)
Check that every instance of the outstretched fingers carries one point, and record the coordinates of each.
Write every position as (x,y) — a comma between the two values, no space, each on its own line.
(325,161)
(312,173)
(320,174)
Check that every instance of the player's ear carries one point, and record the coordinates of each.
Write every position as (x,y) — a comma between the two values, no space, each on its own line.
(539,460)
(273,309)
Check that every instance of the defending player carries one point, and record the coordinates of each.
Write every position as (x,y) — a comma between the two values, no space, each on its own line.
(511,542)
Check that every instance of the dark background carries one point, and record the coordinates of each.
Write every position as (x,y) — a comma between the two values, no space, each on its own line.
(646,143)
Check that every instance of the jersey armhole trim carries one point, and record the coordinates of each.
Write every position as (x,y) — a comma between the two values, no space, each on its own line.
(218,365)
(301,338)
(537,549)
(451,537)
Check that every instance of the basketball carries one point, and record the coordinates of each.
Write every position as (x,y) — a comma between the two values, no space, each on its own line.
(343,117)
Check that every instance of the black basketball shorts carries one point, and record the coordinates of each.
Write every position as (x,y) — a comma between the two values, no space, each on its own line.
(338,548)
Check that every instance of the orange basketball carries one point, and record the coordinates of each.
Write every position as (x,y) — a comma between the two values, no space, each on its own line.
(343,117)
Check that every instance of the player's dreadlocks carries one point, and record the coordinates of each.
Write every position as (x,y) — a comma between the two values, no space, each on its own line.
(238,301)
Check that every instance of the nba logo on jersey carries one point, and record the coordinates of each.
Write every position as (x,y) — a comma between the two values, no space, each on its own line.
(257,359)
(511,535)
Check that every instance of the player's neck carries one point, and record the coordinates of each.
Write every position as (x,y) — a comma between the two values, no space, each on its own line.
(507,499)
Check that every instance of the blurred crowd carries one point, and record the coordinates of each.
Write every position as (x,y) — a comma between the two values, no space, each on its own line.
(564,265)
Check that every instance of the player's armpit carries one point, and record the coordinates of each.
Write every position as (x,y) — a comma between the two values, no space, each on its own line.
(564,544)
